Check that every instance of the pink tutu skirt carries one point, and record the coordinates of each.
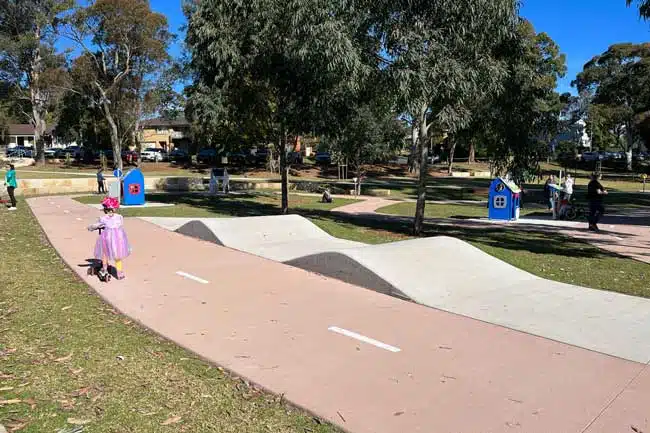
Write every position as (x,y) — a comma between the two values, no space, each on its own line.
(112,244)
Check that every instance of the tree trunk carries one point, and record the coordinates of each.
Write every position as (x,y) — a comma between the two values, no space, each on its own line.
(284,170)
(39,110)
(472,153)
(452,150)
(422,182)
(39,132)
(414,149)
(629,138)
(115,137)
(358,171)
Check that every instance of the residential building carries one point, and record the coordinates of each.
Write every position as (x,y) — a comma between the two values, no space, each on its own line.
(23,135)
(165,134)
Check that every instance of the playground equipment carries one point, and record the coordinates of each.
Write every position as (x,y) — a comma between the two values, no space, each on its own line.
(504,200)
(129,189)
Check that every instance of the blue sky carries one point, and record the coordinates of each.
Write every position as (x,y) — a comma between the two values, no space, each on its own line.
(585,28)
(582,28)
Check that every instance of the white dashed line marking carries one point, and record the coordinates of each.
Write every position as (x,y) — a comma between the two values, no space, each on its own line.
(192,277)
(364,339)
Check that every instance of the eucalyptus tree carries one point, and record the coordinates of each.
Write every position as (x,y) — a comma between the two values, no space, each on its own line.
(519,123)
(121,41)
(272,64)
(619,79)
(29,59)
(440,55)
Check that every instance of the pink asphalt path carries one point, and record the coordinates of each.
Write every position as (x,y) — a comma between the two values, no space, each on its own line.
(269,323)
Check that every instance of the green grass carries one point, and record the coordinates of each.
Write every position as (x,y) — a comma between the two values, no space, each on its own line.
(449,210)
(204,206)
(59,366)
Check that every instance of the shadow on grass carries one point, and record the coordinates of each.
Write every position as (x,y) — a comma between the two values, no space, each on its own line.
(534,239)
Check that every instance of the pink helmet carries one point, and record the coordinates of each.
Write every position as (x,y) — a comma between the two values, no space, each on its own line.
(111,203)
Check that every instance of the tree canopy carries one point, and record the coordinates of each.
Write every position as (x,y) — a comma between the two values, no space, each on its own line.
(272,64)
(619,81)
(440,58)
(29,60)
(122,42)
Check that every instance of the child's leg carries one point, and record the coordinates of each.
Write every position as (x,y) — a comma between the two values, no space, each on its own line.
(118,269)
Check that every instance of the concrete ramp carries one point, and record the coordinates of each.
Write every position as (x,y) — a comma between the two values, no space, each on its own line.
(280,238)
(448,274)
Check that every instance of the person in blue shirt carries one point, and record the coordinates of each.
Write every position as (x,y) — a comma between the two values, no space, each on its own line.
(10,182)
(101,182)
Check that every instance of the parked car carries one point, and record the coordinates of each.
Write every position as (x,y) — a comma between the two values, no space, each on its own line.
(153,154)
(294,158)
(324,158)
(207,155)
(130,157)
(20,152)
(262,156)
(73,151)
(241,157)
(591,156)
(179,155)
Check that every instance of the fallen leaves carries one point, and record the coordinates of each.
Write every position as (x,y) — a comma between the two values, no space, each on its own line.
(65,358)
(15,425)
(172,420)
(81,392)
(76,371)
(76,421)
(7,351)
(30,401)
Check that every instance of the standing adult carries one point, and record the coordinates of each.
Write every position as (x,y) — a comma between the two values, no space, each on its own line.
(101,182)
(548,192)
(595,194)
(12,184)
(568,187)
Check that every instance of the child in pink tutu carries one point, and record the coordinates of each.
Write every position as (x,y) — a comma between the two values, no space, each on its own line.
(112,243)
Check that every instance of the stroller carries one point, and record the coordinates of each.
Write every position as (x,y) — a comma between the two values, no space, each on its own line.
(569,210)
(97,268)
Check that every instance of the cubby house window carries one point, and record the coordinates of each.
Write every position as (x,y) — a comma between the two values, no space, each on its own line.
(500,202)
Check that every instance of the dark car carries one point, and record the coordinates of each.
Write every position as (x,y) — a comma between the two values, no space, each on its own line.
(179,155)
(261,156)
(207,155)
(130,157)
(324,158)
(241,157)
(294,158)
(20,152)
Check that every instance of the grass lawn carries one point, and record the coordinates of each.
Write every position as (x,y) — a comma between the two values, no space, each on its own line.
(204,206)
(59,366)
(449,210)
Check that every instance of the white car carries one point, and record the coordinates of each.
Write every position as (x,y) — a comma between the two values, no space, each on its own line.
(152,154)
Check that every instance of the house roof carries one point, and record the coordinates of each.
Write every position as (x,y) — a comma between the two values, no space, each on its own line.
(20,129)
(26,129)
(511,185)
(153,123)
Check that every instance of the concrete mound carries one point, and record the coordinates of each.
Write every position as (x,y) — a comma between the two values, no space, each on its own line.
(444,273)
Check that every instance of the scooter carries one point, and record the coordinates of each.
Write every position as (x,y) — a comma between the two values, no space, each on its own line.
(98,269)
